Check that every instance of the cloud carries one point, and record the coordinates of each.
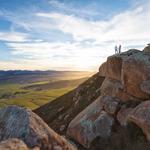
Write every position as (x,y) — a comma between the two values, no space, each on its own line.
(92,41)
(13,37)
(129,25)
(60,55)
(70,8)
(126,26)
(11,65)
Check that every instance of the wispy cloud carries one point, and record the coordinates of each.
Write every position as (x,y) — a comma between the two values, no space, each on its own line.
(85,12)
(13,37)
(129,25)
(61,55)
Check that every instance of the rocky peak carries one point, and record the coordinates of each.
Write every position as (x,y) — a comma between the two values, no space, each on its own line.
(126,86)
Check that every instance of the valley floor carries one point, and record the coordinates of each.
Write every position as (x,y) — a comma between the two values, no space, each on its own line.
(35,94)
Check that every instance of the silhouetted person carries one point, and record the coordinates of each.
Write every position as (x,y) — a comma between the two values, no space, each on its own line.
(119,48)
(116,49)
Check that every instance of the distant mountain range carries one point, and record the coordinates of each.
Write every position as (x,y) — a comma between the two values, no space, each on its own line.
(26,76)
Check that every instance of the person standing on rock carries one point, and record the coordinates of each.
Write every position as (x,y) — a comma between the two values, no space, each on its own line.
(116,49)
(119,48)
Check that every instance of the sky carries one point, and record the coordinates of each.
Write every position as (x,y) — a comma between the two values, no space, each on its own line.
(69,34)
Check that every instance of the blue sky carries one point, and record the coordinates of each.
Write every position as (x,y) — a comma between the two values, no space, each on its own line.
(69,34)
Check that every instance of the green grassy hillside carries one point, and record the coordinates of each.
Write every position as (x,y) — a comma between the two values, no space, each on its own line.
(35,94)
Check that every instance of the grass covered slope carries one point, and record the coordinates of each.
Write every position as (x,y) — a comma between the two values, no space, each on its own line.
(36,92)
(28,98)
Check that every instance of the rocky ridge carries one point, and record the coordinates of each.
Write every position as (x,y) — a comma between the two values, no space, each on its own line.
(124,100)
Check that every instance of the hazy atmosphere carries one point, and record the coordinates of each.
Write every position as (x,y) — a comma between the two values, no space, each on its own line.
(74,74)
(69,34)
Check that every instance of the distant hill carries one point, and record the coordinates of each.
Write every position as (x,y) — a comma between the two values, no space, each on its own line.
(25,76)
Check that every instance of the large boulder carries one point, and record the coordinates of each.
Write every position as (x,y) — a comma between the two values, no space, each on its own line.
(90,123)
(13,144)
(141,117)
(131,69)
(114,64)
(135,70)
(114,88)
(16,122)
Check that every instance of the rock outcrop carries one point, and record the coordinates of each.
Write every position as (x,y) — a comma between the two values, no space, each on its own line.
(16,122)
(141,117)
(126,85)
(127,73)
(91,123)
(135,70)
(114,67)
(13,144)
(114,88)
(111,109)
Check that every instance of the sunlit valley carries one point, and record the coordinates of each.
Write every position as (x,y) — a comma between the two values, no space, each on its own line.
(32,89)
